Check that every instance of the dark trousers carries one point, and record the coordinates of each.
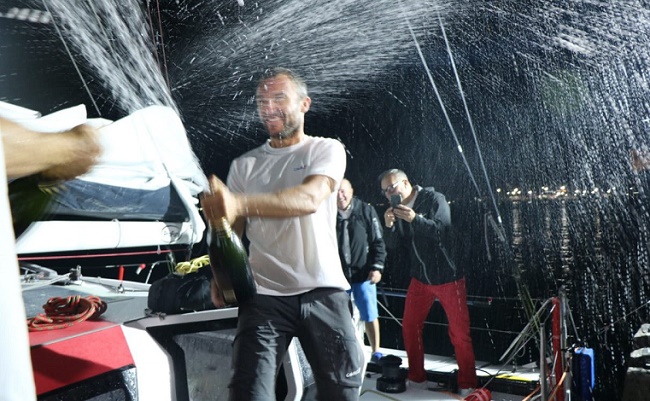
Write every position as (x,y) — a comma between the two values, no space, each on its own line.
(322,321)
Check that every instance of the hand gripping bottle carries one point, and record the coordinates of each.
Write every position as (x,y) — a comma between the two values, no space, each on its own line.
(229,263)
(29,200)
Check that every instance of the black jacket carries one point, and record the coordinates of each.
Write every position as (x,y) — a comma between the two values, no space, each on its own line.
(367,248)
(425,243)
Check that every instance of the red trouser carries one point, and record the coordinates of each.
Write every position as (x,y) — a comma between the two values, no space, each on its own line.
(453,298)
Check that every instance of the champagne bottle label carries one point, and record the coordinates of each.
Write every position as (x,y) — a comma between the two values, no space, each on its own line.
(229,263)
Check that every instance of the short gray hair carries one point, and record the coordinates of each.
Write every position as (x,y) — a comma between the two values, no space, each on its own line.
(301,86)
(394,172)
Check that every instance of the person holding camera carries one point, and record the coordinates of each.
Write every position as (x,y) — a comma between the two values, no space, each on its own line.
(418,225)
(362,252)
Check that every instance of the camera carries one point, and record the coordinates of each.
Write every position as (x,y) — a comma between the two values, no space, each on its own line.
(395,200)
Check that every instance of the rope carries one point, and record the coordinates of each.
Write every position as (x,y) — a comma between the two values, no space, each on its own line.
(193,265)
(558,386)
(530,396)
(65,312)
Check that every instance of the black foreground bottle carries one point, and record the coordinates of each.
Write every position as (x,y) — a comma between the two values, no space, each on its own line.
(229,263)
(29,200)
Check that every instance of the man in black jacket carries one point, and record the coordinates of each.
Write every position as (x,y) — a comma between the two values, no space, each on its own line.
(362,252)
(419,228)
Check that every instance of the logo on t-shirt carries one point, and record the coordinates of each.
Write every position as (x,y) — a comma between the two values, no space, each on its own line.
(301,167)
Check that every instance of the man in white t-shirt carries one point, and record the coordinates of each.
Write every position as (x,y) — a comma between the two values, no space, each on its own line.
(25,152)
(283,194)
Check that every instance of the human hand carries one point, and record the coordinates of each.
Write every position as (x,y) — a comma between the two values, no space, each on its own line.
(216,295)
(79,148)
(389,217)
(219,202)
(374,276)
(404,212)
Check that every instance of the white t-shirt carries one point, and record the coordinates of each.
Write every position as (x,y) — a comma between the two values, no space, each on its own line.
(16,377)
(292,255)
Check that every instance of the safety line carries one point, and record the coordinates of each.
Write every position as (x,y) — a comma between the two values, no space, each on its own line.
(65,45)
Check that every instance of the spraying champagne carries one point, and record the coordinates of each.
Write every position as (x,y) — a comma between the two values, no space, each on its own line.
(229,263)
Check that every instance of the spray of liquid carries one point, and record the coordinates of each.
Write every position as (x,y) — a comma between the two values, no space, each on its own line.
(573,73)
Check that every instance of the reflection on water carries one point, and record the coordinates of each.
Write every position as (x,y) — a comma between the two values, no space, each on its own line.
(600,259)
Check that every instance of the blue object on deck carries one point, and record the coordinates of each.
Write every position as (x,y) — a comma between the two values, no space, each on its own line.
(584,374)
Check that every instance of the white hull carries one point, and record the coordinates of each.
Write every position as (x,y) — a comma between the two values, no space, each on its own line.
(183,357)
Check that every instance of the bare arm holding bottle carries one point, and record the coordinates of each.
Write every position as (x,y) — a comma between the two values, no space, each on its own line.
(299,200)
(221,204)
(60,156)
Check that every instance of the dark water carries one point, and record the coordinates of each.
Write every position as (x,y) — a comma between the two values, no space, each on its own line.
(600,259)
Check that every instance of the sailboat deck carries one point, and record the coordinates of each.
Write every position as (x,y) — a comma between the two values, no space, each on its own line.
(505,382)
(204,365)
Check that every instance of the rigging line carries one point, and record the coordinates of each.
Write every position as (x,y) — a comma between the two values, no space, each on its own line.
(45,283)
(523,290)
(486,237)
(152,32)
(569,316)
(624,317)
(400,292)
(492,298)
(442,106)
(527,332)
(518,344)
(67,49)
(524,294)
(162,46)
(173,181)
(398,321)
(391,315)
(469,119)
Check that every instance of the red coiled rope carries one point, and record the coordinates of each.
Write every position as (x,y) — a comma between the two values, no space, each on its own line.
(65,312)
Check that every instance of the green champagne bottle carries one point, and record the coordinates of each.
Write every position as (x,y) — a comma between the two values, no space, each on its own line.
(229,263)
(29,199)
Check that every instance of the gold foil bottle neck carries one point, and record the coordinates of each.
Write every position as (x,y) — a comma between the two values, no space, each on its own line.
(223,227)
